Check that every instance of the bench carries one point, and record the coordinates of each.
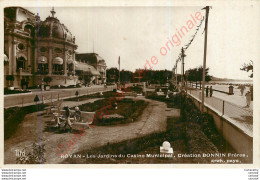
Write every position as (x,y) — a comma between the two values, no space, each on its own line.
(49,109)
(85,116)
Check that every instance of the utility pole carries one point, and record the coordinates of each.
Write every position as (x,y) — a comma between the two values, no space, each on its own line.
(119,69)
(176,74)
(205,55)
(182,55)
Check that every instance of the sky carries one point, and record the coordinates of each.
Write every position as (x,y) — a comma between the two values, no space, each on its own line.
(136,34)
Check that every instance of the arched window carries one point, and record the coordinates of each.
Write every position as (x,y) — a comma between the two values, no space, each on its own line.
(58,65)
(21,63)
(28,28)
(43,65)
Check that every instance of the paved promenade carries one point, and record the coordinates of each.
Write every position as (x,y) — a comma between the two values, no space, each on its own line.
(27,99)
(234,111)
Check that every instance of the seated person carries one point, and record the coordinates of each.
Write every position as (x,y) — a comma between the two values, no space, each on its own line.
(77,114)
(57,120)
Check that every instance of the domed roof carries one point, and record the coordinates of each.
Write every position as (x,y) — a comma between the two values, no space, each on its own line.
(52,27)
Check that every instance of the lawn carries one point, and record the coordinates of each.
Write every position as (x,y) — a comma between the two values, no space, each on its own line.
(15,115)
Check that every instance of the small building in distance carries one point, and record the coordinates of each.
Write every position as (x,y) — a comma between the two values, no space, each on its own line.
(91,68)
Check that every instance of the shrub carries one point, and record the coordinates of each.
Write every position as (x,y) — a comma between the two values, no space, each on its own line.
(137,89)
(8,91)
(36,99)
(47,80)
(9,78)
(194,138)
(191,114)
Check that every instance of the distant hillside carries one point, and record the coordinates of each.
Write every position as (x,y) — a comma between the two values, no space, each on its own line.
(226,79)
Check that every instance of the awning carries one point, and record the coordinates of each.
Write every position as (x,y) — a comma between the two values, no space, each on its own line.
(21,55)
(6,59)
(86,68)
(42,60)
(82,67)
(99,58)
(58,60)
(95,72)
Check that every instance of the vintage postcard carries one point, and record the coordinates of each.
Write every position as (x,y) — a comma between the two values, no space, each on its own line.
(125,83)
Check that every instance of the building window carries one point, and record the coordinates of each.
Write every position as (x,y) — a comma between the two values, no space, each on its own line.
(57,69)
(21,46)
(21,63)
(29,29)
(43,69)
(58,50)
(43,49)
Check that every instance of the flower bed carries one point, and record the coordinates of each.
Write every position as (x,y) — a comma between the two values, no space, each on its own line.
(129,109)
(16,91)
(172,102)
(106,94)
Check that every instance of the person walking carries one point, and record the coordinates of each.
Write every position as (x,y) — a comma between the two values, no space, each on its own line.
(242,88)
(67,117)
(248,98)
(207,91)
(210,91)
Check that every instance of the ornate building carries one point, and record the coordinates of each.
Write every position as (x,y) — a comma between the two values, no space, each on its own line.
(35,49)
(91,64)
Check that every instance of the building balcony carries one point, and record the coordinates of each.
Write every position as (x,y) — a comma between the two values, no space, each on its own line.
(42,72)
(71,73)
(58,72)
(24,72)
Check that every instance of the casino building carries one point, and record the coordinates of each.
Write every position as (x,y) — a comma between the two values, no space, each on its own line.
(36,49)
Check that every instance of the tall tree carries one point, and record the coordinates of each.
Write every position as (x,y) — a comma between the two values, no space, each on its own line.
(195,75)
(112,74)
(126,76)
(248,67)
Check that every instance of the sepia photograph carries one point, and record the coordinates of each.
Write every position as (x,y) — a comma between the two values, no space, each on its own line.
(129,84)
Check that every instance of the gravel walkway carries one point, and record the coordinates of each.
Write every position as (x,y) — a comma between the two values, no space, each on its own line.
(36,125)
